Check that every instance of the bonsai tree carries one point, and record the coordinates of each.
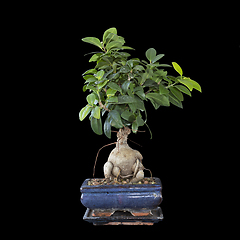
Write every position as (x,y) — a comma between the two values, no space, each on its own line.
(119,86)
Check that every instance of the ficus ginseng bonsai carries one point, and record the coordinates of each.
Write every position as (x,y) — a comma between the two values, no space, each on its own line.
(118,88)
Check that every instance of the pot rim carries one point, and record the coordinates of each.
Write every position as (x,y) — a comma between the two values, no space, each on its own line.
(120,187)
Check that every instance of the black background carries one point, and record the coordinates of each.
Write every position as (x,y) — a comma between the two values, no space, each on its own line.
(184,151)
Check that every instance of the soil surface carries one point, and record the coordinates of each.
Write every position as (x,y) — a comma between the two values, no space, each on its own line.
(103,181)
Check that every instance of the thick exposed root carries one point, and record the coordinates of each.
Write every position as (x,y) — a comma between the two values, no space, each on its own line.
(123,162)
(124,159)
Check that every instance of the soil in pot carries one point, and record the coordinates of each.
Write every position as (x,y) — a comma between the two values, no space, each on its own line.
(104,181)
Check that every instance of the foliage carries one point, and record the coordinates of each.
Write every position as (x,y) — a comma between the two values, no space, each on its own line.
(119,86)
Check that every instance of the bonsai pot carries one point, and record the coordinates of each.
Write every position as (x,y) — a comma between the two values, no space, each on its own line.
(122,203)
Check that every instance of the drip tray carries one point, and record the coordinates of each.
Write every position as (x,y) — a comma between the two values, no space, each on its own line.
(124,217)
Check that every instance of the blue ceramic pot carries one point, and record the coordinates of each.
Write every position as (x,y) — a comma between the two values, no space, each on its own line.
(119,197)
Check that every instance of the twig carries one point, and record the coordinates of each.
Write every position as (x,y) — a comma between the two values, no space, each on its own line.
(171,85)
(97,156)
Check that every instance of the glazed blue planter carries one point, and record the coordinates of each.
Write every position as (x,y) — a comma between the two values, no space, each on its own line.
(122,197)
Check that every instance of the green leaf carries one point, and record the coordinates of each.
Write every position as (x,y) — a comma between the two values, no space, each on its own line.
(151,54)
(139,103)
(89,87)
(120,108)
(90,71)
(133,106)
(196,85)
(102,84)
(120,39)
(144,62)
(106,33)
(175,101)
(125,86)
(139,121)
(111,92)
(96,125)
(138,88)
(176,93)
(113,44)
(96,112)
(160,73)
(159,56)
(91,99)
(128,116)
(99,74)
(125,99)
(125,69)
(93,40)
(141,94)
(95,57)
(147,75)
(183,89)
(139,68)
(90,78)
(177,68)
(107,127)
(162,89)
(159,99)
(127,48)
(107,74)
(130,63)
(111,37)
(187,82)
(164,65)
(115,116)
(134,127)
(114,86)
(113,99)
(155,105)
(113,76)
(150,83)
(84,112)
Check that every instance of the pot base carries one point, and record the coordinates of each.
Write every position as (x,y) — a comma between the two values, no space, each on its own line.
(127,217)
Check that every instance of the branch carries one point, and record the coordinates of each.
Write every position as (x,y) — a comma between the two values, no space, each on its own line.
(171,85)
(103,106)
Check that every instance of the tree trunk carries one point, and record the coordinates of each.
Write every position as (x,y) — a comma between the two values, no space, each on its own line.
(124,161)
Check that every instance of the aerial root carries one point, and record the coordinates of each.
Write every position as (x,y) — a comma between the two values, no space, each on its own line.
(98,154)
(150,173)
